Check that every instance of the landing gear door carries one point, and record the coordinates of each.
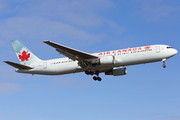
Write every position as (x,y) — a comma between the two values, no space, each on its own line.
(157,49)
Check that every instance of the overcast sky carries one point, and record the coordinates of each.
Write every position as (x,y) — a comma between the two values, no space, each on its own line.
(147,92)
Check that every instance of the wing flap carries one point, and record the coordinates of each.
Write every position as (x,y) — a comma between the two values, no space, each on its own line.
(19,66)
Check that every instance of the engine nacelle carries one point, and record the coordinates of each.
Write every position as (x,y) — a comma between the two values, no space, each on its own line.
(117,71)
(105,60)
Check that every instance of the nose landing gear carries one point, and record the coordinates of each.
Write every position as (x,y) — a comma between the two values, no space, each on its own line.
(164,66)
(164,63)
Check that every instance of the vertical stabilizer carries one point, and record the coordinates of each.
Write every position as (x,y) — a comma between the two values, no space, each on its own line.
(25,56)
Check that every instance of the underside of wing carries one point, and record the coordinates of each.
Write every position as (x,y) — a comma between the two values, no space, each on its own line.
(19,66)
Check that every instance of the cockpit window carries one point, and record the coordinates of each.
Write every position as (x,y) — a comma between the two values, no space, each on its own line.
(169,47)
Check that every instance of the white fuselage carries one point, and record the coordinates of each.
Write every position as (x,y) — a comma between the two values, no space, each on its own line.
(123,57)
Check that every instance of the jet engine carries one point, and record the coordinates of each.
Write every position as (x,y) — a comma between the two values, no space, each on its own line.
(117,71)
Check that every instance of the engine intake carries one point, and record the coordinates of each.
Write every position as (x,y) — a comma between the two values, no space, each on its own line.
(117,71)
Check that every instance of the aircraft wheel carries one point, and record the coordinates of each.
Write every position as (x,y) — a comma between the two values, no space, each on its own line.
(164,66)
(87,72)
(91,73)
(95,78)
(99,79)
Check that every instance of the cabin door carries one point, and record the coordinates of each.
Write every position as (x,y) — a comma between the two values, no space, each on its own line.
(157,49)
(45,65)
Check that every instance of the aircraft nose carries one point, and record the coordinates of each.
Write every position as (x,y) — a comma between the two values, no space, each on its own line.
(175,51)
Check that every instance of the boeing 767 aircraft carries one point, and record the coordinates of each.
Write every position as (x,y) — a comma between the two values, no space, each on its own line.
(109,62)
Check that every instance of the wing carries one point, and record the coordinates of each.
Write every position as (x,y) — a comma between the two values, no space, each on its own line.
(83,58)
(19,66)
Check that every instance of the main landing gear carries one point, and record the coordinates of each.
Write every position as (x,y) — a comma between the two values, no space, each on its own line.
(164,63)
(89,72)
(97,78)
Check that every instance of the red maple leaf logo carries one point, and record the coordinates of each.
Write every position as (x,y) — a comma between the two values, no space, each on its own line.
(24,56)
(147,47)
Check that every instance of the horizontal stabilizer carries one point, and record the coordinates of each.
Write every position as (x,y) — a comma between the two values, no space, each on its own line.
(19,66)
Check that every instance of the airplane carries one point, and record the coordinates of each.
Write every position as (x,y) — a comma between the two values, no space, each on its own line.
(110,62)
